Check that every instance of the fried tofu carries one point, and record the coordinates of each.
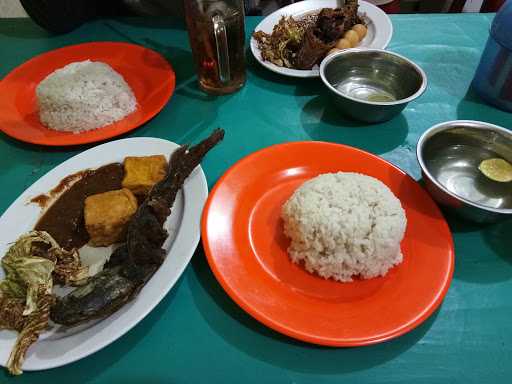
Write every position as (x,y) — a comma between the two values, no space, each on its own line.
(141,173)
(107,215)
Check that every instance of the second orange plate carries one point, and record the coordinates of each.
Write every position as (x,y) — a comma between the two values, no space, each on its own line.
(149,75)
(244,242)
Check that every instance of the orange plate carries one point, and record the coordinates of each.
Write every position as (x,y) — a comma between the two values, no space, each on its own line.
(244,242)
(149,75)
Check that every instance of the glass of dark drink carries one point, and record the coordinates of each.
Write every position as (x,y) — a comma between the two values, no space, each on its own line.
(216,30)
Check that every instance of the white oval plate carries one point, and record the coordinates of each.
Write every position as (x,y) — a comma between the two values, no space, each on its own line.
(380,2)
(60,346)
(380,30)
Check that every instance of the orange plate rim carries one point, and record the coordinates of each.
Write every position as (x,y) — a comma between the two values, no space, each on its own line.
(296,333)
(99,134)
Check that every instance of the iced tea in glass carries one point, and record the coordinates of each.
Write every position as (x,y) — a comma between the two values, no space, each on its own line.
(216,30)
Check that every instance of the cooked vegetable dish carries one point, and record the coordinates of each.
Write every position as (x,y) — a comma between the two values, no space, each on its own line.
(303,43)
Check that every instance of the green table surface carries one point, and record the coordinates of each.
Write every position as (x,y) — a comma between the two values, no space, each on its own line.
(197,334)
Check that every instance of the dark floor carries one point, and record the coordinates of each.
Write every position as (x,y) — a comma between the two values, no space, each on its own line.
(264,7)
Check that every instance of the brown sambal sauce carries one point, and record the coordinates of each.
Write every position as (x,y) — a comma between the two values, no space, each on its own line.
(64,220)
(44,199)
(41,200)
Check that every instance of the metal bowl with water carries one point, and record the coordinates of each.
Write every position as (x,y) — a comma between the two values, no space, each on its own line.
(372,85)
(450,154)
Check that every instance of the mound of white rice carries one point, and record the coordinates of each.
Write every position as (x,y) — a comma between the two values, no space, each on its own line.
(82,96)
(343,225)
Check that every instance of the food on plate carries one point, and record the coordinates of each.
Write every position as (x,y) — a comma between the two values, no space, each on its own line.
(282,45)
(361,30)
(496,169)
(36,262)
(344,225)
(11,313)
(352,37)
(107,214)
(141,173)
(82,96)
(303,43)
(343,44)
(134,262)
(31,265)
(103,295)
(63,220)
(329,27)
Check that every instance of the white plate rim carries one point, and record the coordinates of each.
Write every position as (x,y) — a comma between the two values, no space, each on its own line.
(194,192)
(374,13)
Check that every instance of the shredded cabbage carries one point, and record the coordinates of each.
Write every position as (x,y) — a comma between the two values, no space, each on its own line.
(30,266)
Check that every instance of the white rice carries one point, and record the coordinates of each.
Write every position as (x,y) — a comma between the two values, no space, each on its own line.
(343,225)
(82,96)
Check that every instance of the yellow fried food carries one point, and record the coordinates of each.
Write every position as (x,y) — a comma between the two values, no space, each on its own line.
(107,215)
(141,173)
(361,31)
(496,169)
(343,44)
(352,36)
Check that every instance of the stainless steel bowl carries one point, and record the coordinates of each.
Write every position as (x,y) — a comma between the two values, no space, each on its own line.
(449,155)
(372,85)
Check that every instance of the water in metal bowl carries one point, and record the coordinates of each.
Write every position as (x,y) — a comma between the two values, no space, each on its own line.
(363,88)
(451,155)
(372,85)
(456,167)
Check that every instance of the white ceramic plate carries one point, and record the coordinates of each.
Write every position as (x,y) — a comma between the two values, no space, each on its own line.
(380,2)
(61,346)
(380,30)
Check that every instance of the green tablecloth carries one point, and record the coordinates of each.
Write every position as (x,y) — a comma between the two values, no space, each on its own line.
(197,334)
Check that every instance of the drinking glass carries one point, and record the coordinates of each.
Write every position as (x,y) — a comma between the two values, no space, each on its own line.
(216,30)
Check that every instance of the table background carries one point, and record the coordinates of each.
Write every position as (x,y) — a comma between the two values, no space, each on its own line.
(197,334)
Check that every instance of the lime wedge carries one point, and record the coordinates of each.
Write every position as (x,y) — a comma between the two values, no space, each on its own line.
(496,169)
